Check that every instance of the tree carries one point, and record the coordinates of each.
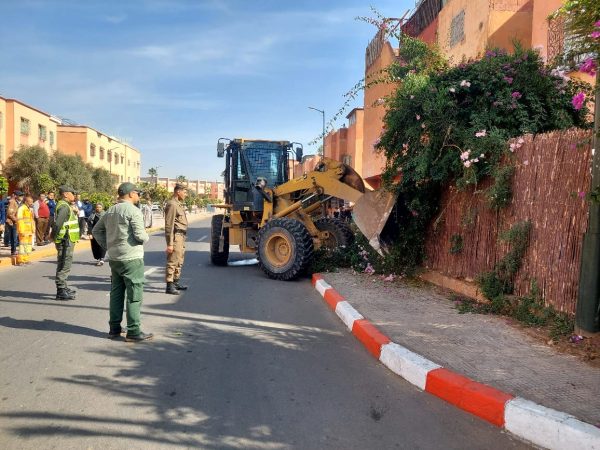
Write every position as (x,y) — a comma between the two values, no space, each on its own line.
(73,171)
(181,179)
(26,166)
(103,180)
(3,186)
(152,172)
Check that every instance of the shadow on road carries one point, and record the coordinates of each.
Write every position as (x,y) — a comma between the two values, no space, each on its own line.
(49,325)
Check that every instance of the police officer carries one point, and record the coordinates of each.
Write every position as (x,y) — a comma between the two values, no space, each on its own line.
(65,235)
(175,232)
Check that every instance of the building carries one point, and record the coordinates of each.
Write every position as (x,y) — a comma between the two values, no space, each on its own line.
(24,125)
(100,150)
(463,30)
(212,189)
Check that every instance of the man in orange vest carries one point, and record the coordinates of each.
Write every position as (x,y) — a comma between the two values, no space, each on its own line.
(25,230)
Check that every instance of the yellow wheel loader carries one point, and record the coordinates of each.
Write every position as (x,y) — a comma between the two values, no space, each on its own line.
(282,220)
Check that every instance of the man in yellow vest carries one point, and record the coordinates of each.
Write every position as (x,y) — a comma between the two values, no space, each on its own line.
(25,230)
(65,235)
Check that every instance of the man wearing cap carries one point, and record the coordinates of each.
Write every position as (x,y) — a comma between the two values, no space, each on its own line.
(121,232)
(65,235)
(175,232)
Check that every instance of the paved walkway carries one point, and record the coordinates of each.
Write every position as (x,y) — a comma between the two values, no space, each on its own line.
(482,347)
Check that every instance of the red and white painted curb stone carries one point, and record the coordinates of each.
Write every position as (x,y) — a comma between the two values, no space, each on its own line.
(537,424)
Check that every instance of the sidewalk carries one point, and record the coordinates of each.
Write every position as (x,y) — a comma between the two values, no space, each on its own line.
(484,348)
(158,223)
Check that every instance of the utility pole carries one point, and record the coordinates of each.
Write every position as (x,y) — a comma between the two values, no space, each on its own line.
(587,316)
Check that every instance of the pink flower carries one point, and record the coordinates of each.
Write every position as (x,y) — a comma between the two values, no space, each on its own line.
(369,269)
(465,155)
(588,66)
(418,117)
(509,80)
(525,163)
(423,125)
(597,24)
(516,95)
(467,164)
(520,141)
(595,34)
(465,83)
(452,90)
(578,100)
(481,133)
(513,147)
(581,194)
(573,146)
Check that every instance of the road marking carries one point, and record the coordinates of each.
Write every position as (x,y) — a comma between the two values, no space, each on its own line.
(203,238)
(149,271)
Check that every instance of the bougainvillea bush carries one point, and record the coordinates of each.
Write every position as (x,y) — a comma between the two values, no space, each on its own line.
(453,125)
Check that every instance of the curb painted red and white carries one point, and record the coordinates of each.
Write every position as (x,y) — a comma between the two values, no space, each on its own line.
(537,424)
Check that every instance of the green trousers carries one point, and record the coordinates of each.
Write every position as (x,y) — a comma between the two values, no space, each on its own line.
(64,259)
(127,282)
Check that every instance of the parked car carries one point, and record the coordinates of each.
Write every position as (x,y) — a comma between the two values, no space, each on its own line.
(155,207)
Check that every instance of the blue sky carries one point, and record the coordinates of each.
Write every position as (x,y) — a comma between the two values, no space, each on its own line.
(173,76)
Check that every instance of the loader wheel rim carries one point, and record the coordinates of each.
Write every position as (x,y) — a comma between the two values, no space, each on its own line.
(278,249)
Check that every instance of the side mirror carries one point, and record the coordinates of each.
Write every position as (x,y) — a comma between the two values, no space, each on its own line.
(220,149)
(299,152)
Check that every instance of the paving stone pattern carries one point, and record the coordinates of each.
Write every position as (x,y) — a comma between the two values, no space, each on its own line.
(481,347)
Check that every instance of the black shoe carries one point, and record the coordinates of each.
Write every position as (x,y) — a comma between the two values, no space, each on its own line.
(179,287)
(171,289)
(115,333)
(63,294)
(138,337)
(73,292)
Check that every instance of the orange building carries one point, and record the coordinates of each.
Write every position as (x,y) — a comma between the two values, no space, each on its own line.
(101,150)
(24,125)
(463,29)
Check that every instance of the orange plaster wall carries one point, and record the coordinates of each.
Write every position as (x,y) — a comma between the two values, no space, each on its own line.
(373,163)
(429,34)
(507,26)
(355,140)
(539,35)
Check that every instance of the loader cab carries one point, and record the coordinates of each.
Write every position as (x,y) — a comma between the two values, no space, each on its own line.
(248,160)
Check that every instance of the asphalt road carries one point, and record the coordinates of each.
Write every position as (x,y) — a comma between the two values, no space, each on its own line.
(238,362)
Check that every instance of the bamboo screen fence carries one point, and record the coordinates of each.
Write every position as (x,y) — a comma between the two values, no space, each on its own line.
(550,176)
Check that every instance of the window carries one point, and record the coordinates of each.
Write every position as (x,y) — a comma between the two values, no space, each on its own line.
(101,153)
(93,150)
(457,29)
(109,156)
(52,138)
(352,120)
(128,163)
(25,126)
(116,159)
(42,134)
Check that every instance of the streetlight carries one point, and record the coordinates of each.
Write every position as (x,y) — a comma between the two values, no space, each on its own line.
(323,114)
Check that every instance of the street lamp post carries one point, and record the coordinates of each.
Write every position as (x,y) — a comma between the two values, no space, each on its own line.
(322,114)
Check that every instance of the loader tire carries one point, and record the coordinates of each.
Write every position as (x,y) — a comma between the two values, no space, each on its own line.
(285,249)
(340,234)
(218,258)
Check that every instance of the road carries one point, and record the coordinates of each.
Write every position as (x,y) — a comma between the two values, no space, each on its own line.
(238,362)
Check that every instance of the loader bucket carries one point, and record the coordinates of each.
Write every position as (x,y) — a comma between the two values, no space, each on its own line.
(371,212)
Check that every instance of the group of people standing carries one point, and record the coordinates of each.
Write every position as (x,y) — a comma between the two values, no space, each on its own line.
(119,232)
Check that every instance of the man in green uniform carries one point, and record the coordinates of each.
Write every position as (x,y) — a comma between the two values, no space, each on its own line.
(121,232)
(175,232)
(65,235)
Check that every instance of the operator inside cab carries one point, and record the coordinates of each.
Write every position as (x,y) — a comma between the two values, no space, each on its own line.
(259,195)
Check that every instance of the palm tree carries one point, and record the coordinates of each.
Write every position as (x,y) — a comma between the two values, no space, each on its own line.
(181,179)
(153,172)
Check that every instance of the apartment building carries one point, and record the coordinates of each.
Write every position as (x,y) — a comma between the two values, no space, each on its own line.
(101,150)
(212,189)
(24,125)
(462,29)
